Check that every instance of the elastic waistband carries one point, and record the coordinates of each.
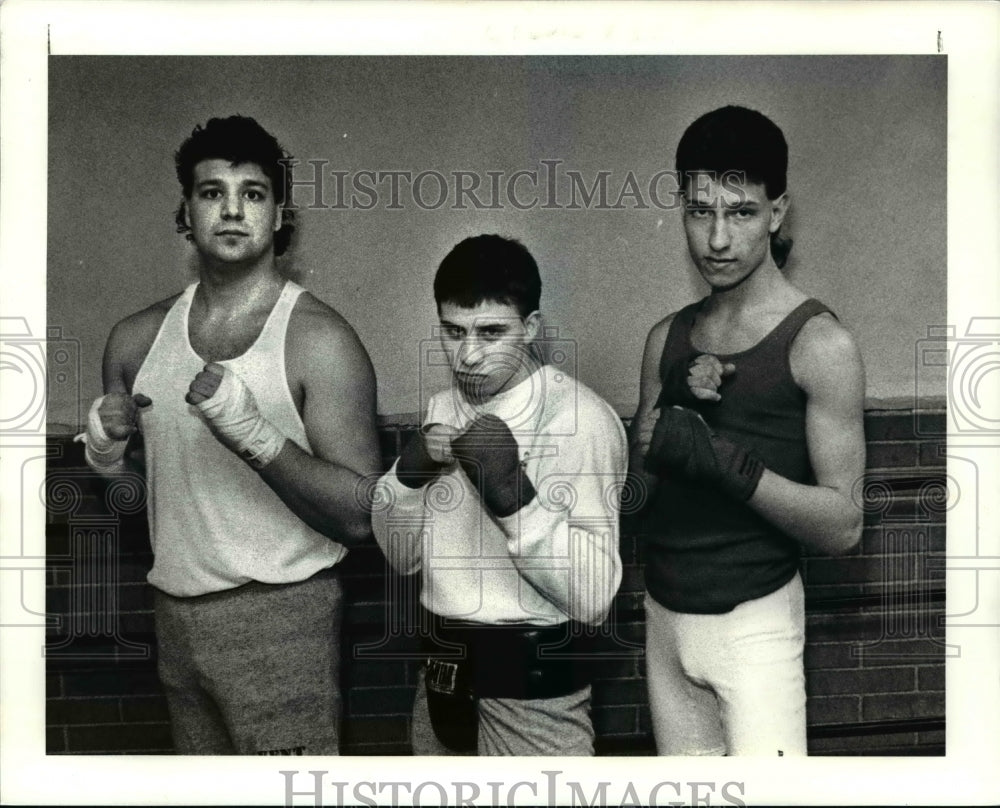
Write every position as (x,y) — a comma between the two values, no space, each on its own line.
(326,574)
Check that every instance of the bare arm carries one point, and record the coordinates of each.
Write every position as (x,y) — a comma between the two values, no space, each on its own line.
(827,365)
(642,482)
(124,353)
(329,489)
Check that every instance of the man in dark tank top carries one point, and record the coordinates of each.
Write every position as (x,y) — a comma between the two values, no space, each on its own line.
(748,440)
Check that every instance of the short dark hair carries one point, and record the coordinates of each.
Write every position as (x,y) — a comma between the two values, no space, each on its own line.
(489,268)
(734,138)
(238,139)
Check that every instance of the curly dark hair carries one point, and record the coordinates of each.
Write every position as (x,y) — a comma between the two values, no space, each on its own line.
(238,139)
(489,268)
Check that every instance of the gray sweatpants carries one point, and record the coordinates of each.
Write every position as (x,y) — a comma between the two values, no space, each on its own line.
(253,670)
(557,726)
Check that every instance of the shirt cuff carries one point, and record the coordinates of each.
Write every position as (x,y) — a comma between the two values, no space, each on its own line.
(400,495)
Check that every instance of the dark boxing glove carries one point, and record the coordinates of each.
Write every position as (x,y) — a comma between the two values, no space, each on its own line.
(684,445)
(424,455)
(488,453)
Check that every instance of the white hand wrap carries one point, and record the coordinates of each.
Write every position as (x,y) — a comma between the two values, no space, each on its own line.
(233,416)
(104,455)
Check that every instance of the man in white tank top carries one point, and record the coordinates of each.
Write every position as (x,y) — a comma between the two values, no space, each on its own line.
(256,404)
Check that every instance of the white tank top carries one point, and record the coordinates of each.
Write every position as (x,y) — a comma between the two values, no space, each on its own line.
(214,523)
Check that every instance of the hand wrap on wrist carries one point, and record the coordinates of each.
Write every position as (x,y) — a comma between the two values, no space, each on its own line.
(683,444)
(488,453)
(233,416)
(104,455)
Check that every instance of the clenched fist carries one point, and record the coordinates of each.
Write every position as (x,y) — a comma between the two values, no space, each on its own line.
(688,384)
(489,455)
(119,414)
(231,412)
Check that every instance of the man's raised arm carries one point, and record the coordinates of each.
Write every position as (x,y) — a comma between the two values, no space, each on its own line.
(827,365)
(114,417)
(330,489)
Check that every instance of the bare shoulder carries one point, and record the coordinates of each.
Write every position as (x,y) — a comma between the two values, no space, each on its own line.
(332,381)
(655,341)
(823,337)
(321,333)
(649,372)
(132,337)
(824,352)
(658,333)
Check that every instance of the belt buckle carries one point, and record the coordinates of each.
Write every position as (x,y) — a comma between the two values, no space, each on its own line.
(441,676)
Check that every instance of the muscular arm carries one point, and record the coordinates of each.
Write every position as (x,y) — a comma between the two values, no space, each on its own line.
(328,489)
(827,365)
(126,349)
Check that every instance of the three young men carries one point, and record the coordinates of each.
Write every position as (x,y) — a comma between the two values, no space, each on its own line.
(256,403)
(749,435)
(506,503)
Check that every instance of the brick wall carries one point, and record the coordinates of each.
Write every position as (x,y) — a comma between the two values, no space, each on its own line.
(874,657)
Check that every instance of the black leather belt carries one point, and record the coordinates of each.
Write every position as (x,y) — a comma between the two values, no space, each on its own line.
(469,661)
(516,661)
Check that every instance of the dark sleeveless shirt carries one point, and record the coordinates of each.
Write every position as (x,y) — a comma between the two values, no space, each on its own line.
(706,552)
